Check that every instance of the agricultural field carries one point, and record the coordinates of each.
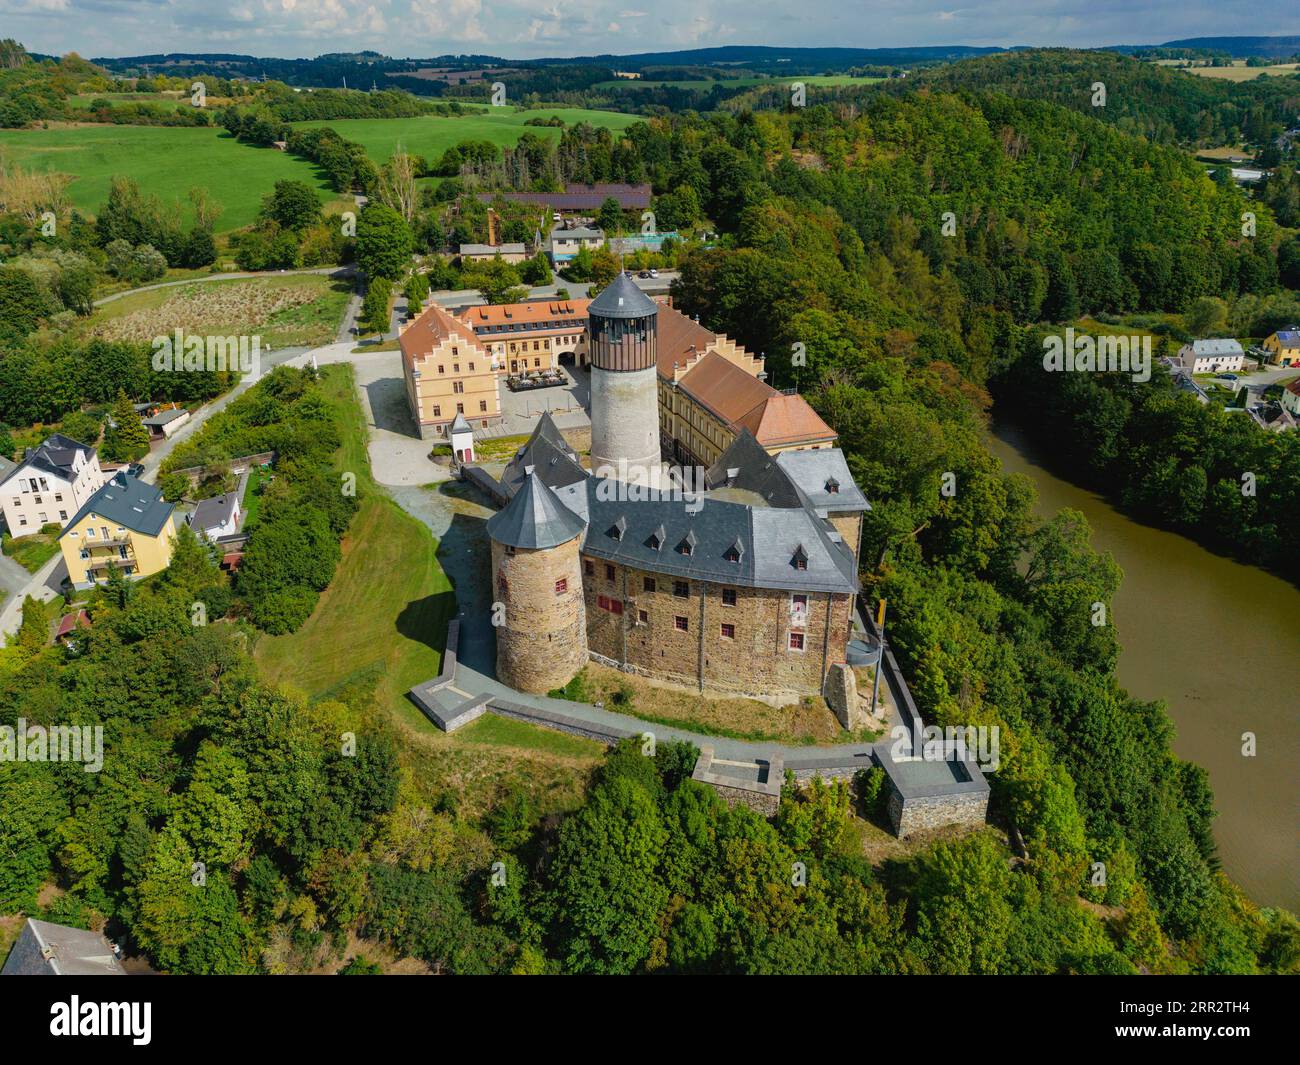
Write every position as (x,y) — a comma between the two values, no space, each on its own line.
(164,161)
(290,310)
(1240,72)
(431,135)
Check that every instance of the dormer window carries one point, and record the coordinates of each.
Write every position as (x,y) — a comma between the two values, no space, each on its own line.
(687,545)
(619,527)
(832,486)
(656,541)
(734,552)
(800,559)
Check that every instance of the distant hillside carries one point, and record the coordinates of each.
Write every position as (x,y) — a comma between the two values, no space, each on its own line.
(1242,47)
(788,60)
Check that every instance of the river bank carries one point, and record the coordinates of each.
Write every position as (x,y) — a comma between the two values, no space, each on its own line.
(1219,641)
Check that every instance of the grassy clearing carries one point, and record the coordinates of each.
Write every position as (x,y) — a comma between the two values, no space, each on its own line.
(287,310)
(379,630)
(32,552)
(1240,72)
(382,622)
(808,721)
(431,135)
(164,161)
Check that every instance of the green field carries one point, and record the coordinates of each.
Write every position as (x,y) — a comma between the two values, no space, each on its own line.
(165,161)
(431,135)
(735,83)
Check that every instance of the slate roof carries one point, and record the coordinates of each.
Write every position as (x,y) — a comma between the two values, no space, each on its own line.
(816,471)
(45,949)
(6,468)
(1216,346)
(54,455)
(548,455)
(1288,336)
(767,539)
(534,518)
(211,513)
(578,197)
(127,502)
(165,417)
(622,299)
(492,249)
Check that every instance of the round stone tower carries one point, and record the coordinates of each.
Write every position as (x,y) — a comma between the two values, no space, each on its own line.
(624,383)
(538,608)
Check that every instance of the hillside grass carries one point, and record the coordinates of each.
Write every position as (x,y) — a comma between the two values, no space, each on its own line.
(164,161)
(379,630)
(32,552)
(734,83)
(431,135)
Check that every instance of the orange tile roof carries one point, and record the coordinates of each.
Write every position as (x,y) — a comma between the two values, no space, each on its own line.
(429,330)
(782,419)
(724,388)
(679,339)
(534,313)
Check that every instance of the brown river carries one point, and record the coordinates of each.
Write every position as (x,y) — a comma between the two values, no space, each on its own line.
(1220,643)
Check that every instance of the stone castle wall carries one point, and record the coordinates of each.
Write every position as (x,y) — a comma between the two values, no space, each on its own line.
(757,660)
(543,642)
(917,814)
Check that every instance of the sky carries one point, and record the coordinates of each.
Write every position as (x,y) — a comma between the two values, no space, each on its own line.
(521,30)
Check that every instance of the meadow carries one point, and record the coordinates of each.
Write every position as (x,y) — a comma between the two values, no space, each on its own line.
(164,161)
(431,135)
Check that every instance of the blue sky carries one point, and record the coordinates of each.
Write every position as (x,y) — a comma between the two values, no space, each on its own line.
(583,27)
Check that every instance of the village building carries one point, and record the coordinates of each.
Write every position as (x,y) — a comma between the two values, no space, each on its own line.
(46,949)
(1291,398)
(1219,355)
(1283,347)
(52,482)
(217,517)
(126,525)
(477,253)
(568,240)
(578,198)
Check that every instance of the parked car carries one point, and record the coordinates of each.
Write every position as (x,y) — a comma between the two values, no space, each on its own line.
(654,273)
(644,273)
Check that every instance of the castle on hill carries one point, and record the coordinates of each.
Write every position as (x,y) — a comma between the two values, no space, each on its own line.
(745,583)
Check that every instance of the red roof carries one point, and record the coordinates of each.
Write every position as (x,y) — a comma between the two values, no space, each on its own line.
(79,620)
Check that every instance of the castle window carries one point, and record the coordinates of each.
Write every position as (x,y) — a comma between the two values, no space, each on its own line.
(681,624)
(642,617)
(733,553)
(833,486)
(482,405)
(728,631)
(503,585)
(561,586)
(455,367)
(619,527)
(796,641)
(656,541)
(681,589)
(458,387)
(728,596)
(799,605)
(687,546)
(800,559)
(471,367)
(649,584)
(609,572)
(589,567)
(437,411)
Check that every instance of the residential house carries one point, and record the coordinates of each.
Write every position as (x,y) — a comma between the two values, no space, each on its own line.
(477,253)
(45,949)
(217,517)
(126,525)
(52,482)
(1291,397)
(448,372)
(69,625)
(1283,347)
(567,241)
(1218,355)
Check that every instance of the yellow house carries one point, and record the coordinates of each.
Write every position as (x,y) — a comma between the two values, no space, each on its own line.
(126,525)
(1283,347)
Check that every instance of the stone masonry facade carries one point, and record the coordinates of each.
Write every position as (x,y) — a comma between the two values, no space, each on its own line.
(769,642)
(917,814)
(540,646)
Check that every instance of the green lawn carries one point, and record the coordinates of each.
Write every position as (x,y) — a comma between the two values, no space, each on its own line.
(165,161)
(32,552)
(431,135)
(252,503)
(382,622)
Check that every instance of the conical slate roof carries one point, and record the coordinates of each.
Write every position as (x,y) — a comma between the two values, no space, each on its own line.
(534,518)
(622,299)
